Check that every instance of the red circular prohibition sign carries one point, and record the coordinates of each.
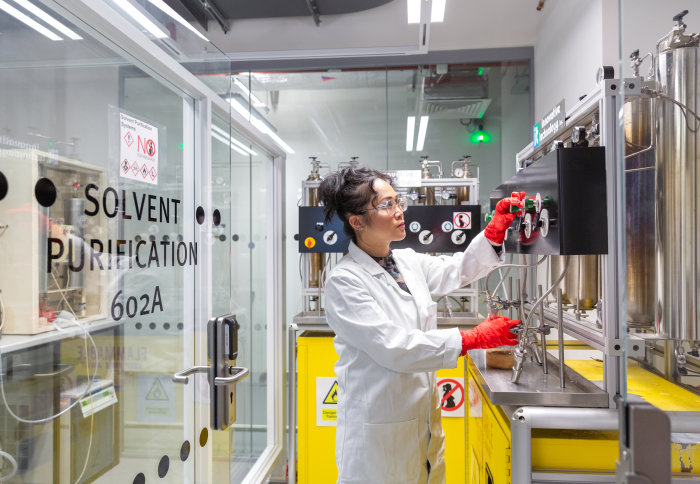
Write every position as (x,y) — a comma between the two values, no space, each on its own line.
(457,385)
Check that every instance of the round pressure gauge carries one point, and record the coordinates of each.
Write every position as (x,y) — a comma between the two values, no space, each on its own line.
(458,172)
(414,226)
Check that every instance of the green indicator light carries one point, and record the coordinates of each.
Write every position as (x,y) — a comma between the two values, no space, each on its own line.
(480,136)
(50,143)
(84,402)
(481,114)
(105,393)
(182,146)
(481,71)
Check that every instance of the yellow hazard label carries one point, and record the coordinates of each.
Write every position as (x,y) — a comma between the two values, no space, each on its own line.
(332,395)
(309,242)
(157,392)
(329,415)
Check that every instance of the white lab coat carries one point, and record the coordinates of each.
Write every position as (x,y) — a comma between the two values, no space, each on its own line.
(389,349)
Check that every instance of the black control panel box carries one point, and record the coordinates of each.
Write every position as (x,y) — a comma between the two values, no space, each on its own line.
(437,228)
(566,213)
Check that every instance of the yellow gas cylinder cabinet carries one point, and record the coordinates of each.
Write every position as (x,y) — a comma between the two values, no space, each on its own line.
(317,400)
(567,451)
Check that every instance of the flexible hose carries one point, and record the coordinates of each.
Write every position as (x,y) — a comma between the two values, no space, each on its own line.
(13,462)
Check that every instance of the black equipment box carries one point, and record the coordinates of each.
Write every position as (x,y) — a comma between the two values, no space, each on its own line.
(568,213)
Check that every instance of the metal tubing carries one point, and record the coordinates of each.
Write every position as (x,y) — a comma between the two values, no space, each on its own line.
(545,365)
(525,419)
(560,338)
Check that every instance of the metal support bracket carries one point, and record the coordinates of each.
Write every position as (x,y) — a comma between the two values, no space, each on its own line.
(216,14)
(313,10)
(635,347)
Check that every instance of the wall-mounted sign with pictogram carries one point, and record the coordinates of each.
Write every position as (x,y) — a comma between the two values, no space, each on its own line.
(326,401)
(462,220)
(451,394)
(138,150)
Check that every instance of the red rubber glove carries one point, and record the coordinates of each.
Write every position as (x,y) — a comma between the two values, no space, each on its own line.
(490,333)
(502,218)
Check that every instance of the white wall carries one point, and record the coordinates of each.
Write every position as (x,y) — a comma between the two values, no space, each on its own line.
(568,52)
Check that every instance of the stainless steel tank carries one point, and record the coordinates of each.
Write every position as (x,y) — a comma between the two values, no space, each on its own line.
(676,184)
(580,285)
(426,194)
(639,189)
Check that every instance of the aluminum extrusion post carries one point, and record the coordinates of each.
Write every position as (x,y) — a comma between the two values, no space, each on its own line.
(646,447)
(560,337)
(292,405)
(614,307)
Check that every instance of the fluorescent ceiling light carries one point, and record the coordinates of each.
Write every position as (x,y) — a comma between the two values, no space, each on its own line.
(240,108)
(164,7)
(48,19)
(233,140)
(256,101)
(28,21)
(281,142)
(422,129)
(410,131)
(437,13)
(227,143)
(141,19)
(259,124)
(413,11)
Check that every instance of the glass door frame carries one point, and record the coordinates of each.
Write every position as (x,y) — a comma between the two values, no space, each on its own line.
(99,19)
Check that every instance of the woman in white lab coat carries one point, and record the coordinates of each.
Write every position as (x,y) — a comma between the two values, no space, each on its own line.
(379,305)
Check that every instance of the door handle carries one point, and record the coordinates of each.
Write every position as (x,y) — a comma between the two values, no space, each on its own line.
(183,376)
(222,372)
(238,372)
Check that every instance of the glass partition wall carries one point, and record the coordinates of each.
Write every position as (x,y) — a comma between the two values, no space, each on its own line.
(119,239)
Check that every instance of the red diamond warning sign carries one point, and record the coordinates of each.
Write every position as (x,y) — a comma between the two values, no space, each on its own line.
(135,167)
(125,166)
(153,173)
(129,138)
(144,171)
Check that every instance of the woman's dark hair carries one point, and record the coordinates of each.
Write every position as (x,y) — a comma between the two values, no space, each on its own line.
(347,192)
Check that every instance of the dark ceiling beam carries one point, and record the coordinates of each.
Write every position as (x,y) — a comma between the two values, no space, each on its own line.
(216,14)
(192,8)
(313,10)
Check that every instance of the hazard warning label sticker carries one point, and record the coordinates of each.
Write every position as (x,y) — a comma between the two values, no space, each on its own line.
(451,394)
(138,151)
(326,401)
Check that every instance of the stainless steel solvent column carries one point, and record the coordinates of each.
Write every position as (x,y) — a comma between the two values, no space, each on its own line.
(676,185)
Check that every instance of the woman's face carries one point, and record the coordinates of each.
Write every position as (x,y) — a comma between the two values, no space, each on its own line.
(381,225)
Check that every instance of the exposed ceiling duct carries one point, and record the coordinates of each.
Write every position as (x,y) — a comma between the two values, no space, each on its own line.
(457,94)
(225,11)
